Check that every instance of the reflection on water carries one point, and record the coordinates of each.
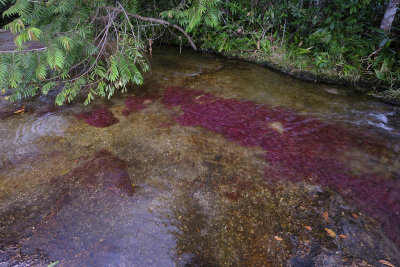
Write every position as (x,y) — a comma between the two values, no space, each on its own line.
(211,162)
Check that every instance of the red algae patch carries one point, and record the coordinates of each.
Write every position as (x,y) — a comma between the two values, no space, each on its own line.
(135,104)
(104,170)
(111,168)
(101,117)
(297,148)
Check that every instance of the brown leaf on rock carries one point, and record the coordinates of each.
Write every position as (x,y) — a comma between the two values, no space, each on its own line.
(278,238)
(386,263)
(330,232)
(355,215)
(308,228)
(326,216)
(343,236)
(22,110)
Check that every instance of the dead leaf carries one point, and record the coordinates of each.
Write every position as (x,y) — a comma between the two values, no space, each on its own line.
(308,228)
(22,110)
(277,238)
(386,263)
(64,172)
(150,46)
(330,232)
(355,215)
(343,236)
(147,102)
(326,216)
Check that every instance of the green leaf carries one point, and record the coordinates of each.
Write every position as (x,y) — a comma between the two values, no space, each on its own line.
(379,75)
(53,264)
(41,71)
(114,74)
(66,42)
(46,88)
(384,41)
(34,33)
(55,57)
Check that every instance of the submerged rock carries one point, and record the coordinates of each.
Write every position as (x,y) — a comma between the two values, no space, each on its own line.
(13,256)
(333,91)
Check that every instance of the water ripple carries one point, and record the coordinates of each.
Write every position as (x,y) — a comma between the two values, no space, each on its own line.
(24,136)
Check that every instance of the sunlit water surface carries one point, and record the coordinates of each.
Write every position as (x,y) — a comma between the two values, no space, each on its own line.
(211,162)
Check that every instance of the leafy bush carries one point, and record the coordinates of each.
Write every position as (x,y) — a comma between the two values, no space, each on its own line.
(341,36)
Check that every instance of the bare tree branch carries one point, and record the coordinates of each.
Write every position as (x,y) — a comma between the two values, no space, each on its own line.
(159,21)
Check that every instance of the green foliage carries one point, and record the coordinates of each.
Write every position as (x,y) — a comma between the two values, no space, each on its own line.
(53,264)
(335,35)
(193,13)
(94,49)
(78,57)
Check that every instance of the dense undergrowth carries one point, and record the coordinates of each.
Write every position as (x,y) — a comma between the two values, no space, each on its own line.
(333,38)
(341,40)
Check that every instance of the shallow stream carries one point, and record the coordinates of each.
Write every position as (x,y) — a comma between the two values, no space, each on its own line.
(212,162)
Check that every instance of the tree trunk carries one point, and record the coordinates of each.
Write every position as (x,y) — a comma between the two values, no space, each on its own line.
(390,13)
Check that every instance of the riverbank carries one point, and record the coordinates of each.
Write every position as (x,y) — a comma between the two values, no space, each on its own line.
(279,62)
(303,67)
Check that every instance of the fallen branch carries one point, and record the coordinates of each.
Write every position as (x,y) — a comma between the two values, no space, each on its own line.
(158,21)
(22,51)
(163,22)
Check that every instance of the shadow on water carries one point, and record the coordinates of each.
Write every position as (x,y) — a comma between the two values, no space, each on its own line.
(211,162)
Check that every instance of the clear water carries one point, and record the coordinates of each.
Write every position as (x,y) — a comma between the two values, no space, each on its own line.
(151,190)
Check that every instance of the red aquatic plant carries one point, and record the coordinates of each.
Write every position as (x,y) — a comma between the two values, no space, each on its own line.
(135,104)
(106,170)
(103,170)
(101,117)
(297,148)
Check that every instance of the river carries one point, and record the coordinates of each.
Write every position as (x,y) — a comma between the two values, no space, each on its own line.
(211,162)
